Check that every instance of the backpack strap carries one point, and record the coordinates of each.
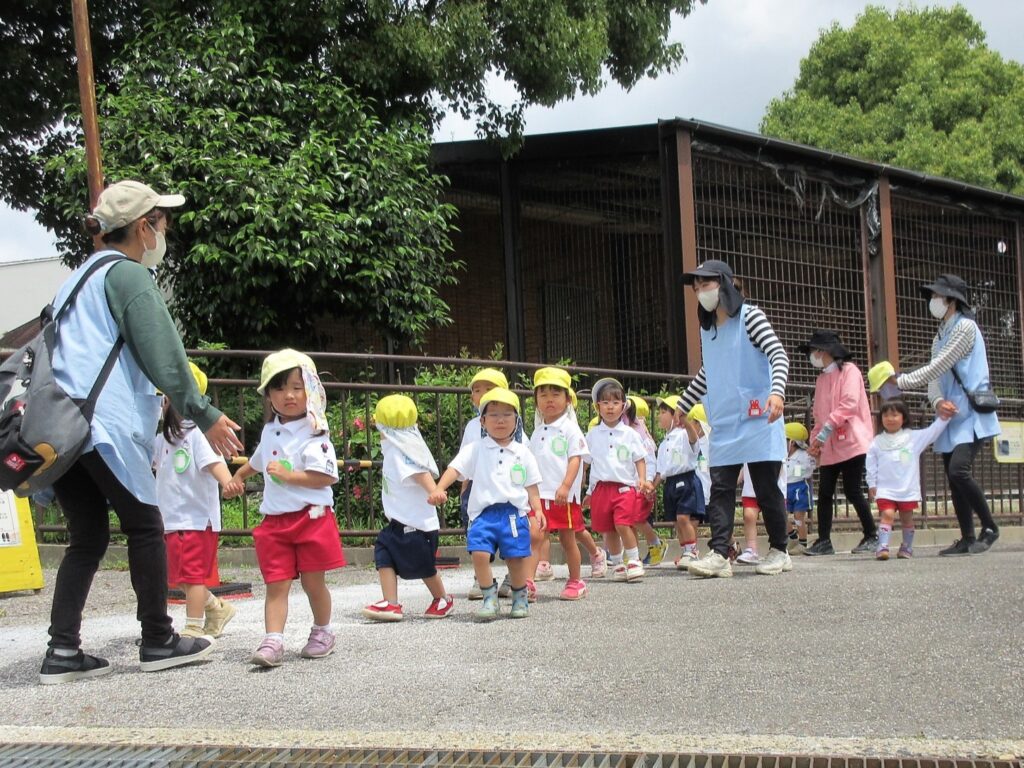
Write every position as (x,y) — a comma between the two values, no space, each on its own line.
(48,311)
(89,405)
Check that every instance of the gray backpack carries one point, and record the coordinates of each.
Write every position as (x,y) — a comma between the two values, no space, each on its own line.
(42,429)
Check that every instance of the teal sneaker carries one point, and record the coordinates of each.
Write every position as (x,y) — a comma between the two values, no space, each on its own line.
(489,610)
(520,604)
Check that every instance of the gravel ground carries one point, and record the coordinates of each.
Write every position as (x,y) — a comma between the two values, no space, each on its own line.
(843,655)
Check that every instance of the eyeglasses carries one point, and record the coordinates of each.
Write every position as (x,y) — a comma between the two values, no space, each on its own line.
(500,416)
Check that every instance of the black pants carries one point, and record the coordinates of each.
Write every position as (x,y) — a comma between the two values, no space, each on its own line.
(968,498)
(852,472)
(84,494)
(764,476)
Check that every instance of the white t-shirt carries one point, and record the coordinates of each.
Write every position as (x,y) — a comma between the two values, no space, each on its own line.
(614,452)
(676,454)
(404,500)
(553,445)
(799,465)
(471,433)
(892,465)
(500,474)
(748,487)
(188,495)
(294,444)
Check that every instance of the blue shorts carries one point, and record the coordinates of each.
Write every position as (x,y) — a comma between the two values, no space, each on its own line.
(500,527)
(798,497)
(684,495)
(410,552)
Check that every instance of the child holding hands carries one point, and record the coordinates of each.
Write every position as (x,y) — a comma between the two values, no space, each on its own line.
(677,471)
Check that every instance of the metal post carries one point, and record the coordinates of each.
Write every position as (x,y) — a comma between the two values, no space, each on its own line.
(688,225)
(87,98)
(513,269)
(888,338)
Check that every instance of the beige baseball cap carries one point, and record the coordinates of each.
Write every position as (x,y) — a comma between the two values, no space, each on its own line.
(126,201)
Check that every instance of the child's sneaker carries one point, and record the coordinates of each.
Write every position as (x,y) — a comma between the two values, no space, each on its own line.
(65,669)
(383,610)
(544,571)
(634,571)
(688,556)
(269,654)
(710,566)
(882,553)
(748,557)
(176,652)
(489,610)
(505,590)
(619,572)
(796,547)
(217,617)
(905,552)
(575,589)
(520,603)
(475,593)
(531,591)
(655,553)
(320,644)
(191,630)
(440,608)
(598,565)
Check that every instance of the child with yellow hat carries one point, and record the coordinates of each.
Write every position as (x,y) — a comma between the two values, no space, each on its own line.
(799,466)
(503,497)
(189,475)
(636,415)
(407,546)
(298,536)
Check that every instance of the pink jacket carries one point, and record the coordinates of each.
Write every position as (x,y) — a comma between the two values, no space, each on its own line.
(841,400)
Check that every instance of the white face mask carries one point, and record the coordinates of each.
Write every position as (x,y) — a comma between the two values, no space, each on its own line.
(151,257)
(708,299)
(816,360)
(938,307)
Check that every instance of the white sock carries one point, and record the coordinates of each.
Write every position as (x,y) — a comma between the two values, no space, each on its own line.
(65,653)
(279,636)
(192,621)
(326,627)
(615,559)
(211,600)
(632,555)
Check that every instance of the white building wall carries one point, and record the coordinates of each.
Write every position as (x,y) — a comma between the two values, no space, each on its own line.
(26,287)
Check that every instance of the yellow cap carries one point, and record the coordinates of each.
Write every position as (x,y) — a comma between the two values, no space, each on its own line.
(395,411)
(594,422)
(796,431)
(499,395)
(669,401)
(201,381)
(281,361)
(643,410)
(493,375)
(697,413)
(879,374)
(554,377)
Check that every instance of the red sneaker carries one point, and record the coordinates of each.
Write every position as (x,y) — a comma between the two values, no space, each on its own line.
(383,611)
(440,608)
(531,591)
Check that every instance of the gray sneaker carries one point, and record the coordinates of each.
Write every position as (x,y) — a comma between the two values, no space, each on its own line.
(177,652)
(505,590)
(775,562)
(712,565)
(475,593)
(985,541)
(867,545)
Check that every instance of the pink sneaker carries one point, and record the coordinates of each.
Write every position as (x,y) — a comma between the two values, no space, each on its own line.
(440,608)
(575,589)
(599,565)
(382,610)
(544,571)
(269,654)
(531,591)
(320,644)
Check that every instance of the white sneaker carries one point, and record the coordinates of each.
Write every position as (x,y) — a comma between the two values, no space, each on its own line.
(544,571)
(634,571)
(711,565)
(619,572)
(688,556)
(598,565)
(748,557)
(775,562)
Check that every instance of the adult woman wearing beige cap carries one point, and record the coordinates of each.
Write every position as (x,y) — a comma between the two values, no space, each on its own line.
(118,316)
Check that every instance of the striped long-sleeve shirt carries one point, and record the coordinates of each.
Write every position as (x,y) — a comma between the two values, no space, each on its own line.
(958,346)
(762,336)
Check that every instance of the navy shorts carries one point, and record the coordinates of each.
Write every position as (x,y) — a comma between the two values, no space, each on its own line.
(798,497)
(500,527)
(684,495)
(410,552)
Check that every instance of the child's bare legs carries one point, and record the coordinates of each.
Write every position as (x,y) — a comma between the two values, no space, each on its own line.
(588,542)
(482,569)
(518,571)
(750,528)
(685,529)
(567,538)
(315,586)
(626,537)
(275,609)
(907,524)
(196,596)
(436,586)
(650,535)
(537,540)
(800,519)
(389,584)
(613,542)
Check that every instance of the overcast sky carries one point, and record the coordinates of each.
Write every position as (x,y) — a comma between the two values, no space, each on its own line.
(739,55)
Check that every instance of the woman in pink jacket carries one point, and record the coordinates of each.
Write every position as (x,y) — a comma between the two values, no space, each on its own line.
(841,437)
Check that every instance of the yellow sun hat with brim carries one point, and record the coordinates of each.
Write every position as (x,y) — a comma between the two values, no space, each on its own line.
(643,409)
(879,374)
(493,375)
(697,413)
(669,401)
(499,395)
(796,431)
(202,382)
(554,377)
(278,362)
(396,412)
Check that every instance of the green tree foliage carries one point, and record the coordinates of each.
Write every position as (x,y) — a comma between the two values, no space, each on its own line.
(301,203)
(916,88)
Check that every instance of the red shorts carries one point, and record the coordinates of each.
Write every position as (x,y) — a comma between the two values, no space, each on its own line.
(293,543)
(750,502)
(646,505)
(190,556)
(613,504)
(563,516)
(896,506)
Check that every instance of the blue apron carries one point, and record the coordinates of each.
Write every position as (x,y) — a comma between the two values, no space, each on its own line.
(966,426)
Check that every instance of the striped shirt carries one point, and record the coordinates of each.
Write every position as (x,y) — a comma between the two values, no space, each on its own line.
(762,336)
(958,346)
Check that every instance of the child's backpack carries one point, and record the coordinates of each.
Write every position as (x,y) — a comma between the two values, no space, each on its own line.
(42,429)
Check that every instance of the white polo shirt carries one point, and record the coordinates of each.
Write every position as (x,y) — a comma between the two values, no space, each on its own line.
(799,466)
(188,495)
(614,452)
(471,433)
(500,474)
(703,471)
(553,445)
(676,454)
(404,500)
(748,486)
(294,444)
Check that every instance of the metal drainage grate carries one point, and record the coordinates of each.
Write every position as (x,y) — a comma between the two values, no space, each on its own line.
(95,756)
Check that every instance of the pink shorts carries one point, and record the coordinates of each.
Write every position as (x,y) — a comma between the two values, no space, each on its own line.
(190,556)
(293,543)
(896,506)
(563,516)
(613,504)
(750,502)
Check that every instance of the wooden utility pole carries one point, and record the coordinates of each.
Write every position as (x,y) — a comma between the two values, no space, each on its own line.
(87,98)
